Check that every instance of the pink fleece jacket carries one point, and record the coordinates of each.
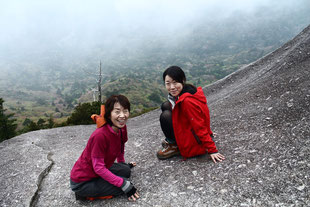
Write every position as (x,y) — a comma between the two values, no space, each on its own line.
(103,148)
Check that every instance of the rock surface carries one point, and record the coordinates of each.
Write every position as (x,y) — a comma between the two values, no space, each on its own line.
(261,117)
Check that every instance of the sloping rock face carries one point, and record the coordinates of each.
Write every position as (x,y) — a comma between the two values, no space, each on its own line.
(261,117)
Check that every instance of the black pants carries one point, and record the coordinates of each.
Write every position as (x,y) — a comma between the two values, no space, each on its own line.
(166,122)
(100,187)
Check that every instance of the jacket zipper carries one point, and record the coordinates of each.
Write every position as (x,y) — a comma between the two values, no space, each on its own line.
(196,137)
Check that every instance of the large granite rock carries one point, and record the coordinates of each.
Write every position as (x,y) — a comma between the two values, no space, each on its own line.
(261,117)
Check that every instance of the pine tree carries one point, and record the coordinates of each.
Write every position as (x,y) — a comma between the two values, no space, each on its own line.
(7,125)
(50,122)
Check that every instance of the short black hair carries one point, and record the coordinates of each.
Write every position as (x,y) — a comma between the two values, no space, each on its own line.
(176,73)
(109,105)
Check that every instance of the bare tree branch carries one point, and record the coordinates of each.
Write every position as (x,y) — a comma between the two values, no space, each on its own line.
(98,80)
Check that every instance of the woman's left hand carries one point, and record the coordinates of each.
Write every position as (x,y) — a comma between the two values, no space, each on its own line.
(217,157)
(132,164)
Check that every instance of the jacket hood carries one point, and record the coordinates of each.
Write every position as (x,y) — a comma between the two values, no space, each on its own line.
(199,95)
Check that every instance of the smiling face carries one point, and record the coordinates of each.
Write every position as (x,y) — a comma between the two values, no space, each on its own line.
(119,116)
(172,86)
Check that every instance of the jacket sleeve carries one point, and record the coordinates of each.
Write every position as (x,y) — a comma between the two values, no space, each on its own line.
(106,174)
(195,114)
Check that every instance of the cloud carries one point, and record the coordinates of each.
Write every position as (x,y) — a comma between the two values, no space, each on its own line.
(78,24)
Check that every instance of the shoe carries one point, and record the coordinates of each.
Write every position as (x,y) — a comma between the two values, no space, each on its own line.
(168,151)
(164,143)
(82,198)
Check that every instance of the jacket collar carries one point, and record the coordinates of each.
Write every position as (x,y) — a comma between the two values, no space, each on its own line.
(188,90)
(172,100)
(199,95)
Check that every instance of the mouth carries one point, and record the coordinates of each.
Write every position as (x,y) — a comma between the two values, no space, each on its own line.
(121,122)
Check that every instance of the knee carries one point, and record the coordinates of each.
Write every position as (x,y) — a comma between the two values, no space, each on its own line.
(166,106)
(166,116)
(126,171)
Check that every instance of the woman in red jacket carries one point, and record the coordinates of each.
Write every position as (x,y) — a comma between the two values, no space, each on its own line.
(185,119)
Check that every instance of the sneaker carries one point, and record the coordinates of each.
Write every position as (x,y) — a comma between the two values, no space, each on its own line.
(168,151)
(164,143)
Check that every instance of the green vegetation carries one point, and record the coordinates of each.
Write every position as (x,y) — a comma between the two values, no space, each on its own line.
(82,113)
(56,89)
(7,124)
(80,116)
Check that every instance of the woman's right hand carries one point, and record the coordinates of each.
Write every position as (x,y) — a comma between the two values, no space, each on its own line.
(217,157)
(130,190)
(134,197)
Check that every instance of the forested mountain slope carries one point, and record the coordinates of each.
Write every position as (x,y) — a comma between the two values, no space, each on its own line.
(261,117)
(46,73)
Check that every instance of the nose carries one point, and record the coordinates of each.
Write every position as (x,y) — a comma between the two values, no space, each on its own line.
(122,114)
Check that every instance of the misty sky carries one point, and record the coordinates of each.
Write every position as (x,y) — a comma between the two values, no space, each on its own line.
(57,21)
(38,27)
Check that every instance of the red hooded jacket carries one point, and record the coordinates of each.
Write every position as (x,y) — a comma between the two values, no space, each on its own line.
(191,124)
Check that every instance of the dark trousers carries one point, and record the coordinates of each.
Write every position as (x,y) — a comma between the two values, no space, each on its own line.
(100,187)
(166,122)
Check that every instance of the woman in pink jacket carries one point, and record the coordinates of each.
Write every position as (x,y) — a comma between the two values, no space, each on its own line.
(95,175)
(185,119)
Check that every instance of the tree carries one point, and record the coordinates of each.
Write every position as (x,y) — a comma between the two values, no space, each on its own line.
(40,123)
(26,122)
(50,122)
(7,125)
(155,97)
(32,127)
(82,113)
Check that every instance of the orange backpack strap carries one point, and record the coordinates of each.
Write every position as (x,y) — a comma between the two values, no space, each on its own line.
(99,119)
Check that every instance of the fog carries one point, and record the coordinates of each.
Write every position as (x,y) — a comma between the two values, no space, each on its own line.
(35,28)
(95,20)
(50,49)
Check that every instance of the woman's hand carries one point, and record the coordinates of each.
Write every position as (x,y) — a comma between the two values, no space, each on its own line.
(132,164)
(134,197)
(217,157)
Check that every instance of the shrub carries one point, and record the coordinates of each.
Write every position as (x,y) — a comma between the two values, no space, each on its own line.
(82,113)
(7,125)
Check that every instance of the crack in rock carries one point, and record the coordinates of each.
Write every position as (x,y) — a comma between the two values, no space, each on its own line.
(41,177)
